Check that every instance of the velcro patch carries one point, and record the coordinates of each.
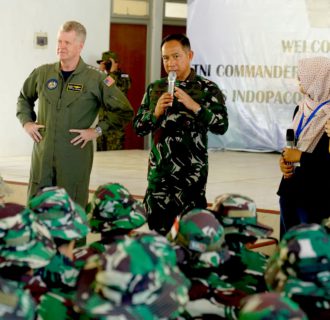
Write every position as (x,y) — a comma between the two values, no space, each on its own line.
(74,87)
(52,84)
(109,81)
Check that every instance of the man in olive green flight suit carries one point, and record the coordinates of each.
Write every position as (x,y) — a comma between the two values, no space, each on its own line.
(114,139)
(70,94)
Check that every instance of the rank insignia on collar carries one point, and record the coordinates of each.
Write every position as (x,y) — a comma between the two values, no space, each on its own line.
(52,84)
(74,87)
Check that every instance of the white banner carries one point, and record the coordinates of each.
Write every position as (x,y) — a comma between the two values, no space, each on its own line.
(250,48)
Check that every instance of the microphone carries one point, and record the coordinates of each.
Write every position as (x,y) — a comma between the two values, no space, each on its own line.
(171,82)
(291,143)
(290,139)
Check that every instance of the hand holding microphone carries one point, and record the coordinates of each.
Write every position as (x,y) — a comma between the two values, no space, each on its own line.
(286,167)
(166,99)
(291,154)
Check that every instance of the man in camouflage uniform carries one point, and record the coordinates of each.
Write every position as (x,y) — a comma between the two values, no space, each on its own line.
(26,246)
(113,213)
(300,269)
(114,139)
(136,278)
(198,239)
(238,215)
(67,222)
(178,161)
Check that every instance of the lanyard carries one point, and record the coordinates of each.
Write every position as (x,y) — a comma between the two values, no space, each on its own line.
(301,127)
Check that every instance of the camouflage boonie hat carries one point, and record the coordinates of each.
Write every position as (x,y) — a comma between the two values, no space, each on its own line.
(238,215)
(107,55)
(64,218)
(270,306)
(134,274)
(301,267)
(24,241)
(15,303)
(157,244)
(198,231)
(113,207)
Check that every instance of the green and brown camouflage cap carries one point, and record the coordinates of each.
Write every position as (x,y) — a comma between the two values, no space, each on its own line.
(198,231)
(134,274)
(238,215)
(15,303)
(270,306)
(107,55)
(64,218)
(113,207)
(24,241)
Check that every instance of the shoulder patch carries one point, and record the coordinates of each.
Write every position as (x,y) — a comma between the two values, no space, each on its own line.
(109,81)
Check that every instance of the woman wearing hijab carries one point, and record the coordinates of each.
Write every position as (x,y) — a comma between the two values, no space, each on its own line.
(303,197)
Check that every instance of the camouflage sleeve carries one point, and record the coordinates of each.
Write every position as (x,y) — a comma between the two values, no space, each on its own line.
(27,97)
(145,121)
(214,112)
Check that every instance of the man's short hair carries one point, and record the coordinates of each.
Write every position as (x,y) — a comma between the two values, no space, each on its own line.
(180,37)
(75,26)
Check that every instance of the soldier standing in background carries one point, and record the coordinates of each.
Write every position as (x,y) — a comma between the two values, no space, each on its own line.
(114,139)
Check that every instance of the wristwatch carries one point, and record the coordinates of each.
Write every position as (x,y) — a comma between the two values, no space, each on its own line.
(98,130)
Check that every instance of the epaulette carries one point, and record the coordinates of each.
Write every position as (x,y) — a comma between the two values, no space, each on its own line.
(95,68)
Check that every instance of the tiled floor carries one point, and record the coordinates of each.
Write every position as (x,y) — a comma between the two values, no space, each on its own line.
(252,174)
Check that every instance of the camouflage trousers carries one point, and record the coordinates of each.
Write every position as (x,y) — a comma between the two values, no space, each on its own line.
(113,140)
(163,204)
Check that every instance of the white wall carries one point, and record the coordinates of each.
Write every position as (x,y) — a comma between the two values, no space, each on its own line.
(19,21)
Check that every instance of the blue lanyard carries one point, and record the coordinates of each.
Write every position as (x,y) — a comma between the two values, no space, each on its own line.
(301,127)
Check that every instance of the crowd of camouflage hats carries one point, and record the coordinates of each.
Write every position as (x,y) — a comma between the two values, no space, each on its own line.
(202,269)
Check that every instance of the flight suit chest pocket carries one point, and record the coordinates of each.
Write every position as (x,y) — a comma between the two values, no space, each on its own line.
(73,92)
(50,91)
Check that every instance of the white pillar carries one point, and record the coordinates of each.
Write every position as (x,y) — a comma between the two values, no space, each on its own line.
(156,33)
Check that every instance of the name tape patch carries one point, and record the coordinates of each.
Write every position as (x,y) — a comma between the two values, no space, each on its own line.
(74,87)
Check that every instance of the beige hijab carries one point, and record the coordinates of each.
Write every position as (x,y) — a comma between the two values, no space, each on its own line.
(314,75)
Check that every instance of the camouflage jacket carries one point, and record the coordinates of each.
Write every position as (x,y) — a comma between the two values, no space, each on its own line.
(122,80)
(180,136)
